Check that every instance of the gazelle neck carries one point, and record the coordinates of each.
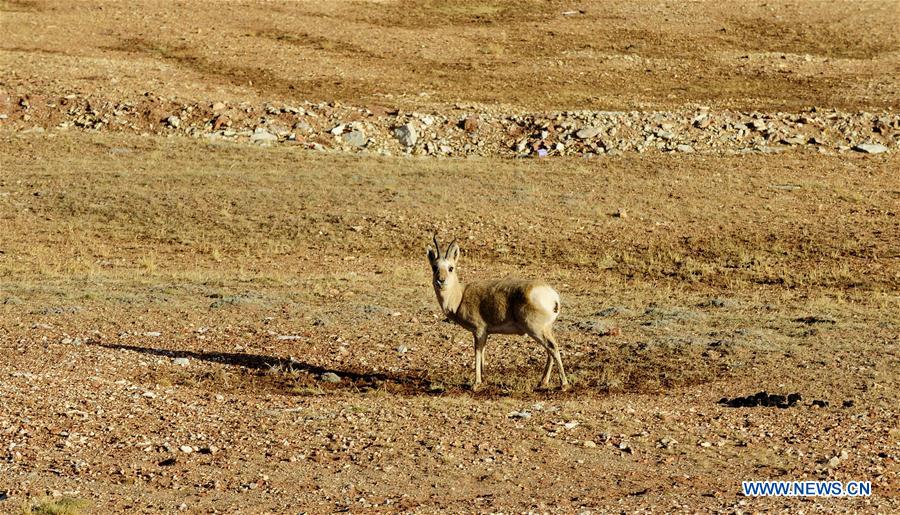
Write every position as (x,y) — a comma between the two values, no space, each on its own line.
(450,298)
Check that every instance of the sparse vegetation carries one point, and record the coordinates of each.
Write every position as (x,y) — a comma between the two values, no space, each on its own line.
(192,323)
(55,506)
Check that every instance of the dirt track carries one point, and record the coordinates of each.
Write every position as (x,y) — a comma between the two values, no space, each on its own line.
(686,277)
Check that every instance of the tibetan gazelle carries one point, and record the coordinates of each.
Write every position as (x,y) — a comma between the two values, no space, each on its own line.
(506,306)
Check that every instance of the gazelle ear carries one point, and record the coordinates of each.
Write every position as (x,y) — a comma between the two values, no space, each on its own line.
(452,251)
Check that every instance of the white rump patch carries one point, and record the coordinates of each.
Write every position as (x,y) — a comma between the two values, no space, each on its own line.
(545,298)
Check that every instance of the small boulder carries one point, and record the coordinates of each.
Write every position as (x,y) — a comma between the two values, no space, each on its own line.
(870,148)
(406,134)
(470,123)
(330,377)
(355,138)
(261,135)
(588,132)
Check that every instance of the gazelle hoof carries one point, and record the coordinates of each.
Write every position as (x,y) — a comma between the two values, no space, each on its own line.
(476,387)
(564,388)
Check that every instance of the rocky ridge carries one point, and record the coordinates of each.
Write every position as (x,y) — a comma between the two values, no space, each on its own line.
(463,130)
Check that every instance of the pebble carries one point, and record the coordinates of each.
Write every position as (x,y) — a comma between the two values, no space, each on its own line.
(181,362)
(173,122)
(330,377)
(218,106)
(685,148)
(402,349)
(153,334)
(590,444)
(524,415)
(187,449)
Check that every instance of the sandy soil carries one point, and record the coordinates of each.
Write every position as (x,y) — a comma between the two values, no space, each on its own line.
(172,308)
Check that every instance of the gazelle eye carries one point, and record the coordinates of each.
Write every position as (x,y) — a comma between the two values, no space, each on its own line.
(450,269)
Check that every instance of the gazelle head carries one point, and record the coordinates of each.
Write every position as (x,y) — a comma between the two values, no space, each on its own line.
(443,266)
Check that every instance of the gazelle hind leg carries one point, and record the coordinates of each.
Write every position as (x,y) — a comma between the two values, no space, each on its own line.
(550,338)
(548,369)
(541,338)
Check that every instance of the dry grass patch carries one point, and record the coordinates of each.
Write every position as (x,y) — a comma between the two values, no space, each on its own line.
(56,506)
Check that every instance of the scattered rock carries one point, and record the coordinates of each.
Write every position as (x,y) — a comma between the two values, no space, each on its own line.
(220,122)
(356,138)
(181,362)
(509,134)
(402,349)
(717,303)
(762,399)
(330,377)
(261,135)
(702,121)
(590,444)
(525,415)
(810,320)
(187,449)
(870,148)
(406,135)
(795,140)
(588,132)
(596,327)
(470,123)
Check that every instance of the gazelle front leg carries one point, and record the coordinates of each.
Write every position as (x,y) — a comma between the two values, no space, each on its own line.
(480,341)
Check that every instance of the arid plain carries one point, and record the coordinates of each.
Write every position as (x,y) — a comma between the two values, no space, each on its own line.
(214,295)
